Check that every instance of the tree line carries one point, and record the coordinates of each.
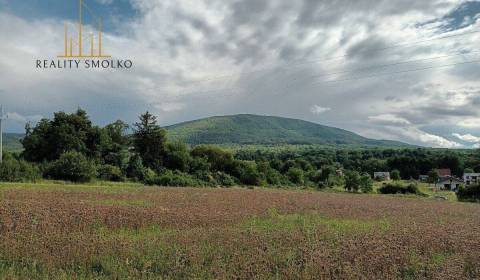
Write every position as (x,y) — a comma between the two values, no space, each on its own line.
(69,147)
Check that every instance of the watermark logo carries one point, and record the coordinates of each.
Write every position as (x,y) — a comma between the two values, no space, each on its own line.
(84,47)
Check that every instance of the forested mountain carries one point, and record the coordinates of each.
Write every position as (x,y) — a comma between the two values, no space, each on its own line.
(11,141)
(254,129)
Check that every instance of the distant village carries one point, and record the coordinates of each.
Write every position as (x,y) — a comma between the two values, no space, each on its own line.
(444,181)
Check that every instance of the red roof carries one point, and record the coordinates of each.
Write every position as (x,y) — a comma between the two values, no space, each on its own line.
(444,172)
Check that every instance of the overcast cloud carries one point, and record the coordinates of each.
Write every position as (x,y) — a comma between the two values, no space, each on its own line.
(322,61)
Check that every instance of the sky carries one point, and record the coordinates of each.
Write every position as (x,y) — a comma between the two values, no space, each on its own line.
(403,70)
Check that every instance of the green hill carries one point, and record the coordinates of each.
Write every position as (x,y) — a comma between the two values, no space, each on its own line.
(266,130)
(11,142)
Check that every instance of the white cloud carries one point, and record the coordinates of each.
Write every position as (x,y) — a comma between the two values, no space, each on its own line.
(170,107)
(16,117)
(258,56)
(317,110)
(389,119)
(470,123)
(418,136)
(467,137)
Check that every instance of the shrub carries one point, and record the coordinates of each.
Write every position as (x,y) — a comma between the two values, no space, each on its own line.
(352,181)
(223,179)
(366,183)
(111,173)
(218,159)
(247,173)
(71,166)
(469,193)
(174,179)
(13,170)
(395,175)
(135,169)
(177,157)
(295,175)
(399,189)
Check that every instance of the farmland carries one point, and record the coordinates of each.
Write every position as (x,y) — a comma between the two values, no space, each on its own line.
(121,231)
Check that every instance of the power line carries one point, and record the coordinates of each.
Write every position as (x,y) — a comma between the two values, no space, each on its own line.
(364,68)
(397,72)
(393,64)
(290,64)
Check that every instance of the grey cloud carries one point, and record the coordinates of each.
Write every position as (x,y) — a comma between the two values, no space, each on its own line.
(200,58)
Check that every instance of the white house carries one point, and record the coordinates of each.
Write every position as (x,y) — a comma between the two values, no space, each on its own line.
(471,178)
(448,183)
(381,175)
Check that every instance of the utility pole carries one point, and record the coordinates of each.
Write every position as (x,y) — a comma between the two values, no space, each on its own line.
(2,117)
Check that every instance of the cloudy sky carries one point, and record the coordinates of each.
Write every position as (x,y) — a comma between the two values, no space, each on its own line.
(403,70)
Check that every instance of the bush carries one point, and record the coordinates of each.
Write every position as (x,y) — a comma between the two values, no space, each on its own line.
(223,179)
(136,170)
(174,179)
(13,170)
(247,173)
(295,175)
(352,181)
(71,166)
(469,193)
(366,183)
(399,189)
(110,173)
(177,157)
(395,175)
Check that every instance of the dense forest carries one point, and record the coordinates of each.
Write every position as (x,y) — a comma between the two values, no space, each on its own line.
(69,147)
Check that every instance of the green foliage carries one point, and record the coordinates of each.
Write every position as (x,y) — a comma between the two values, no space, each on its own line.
(296,175)
(272,176)
(469,193)
(71,166)
(150,141)
(352,181)
(114,147)
(177,157)
(66,132)
(247,173)
(110,173)
(395,175)
(366,183)
(12,142)
(253,129)
(218,159)
(14,170)
(223,179)
(433,176)
(135,169)
(174,179)
(397,188)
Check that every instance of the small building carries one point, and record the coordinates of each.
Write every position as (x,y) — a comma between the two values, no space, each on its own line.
(471,178)
(423,178)
(381,176)
(443,172)
(449,183)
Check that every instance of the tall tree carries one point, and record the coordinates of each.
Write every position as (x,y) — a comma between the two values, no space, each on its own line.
(66,132)
(150,141)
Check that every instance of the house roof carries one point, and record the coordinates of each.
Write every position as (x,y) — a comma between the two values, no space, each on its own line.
(449,179)
(444,172)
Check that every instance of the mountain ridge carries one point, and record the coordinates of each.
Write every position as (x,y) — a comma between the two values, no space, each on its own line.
(266,130)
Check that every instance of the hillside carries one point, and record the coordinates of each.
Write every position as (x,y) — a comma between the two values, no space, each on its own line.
(11,142)
(266,130)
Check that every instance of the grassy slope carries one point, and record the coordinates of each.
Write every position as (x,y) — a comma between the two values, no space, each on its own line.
(253,129)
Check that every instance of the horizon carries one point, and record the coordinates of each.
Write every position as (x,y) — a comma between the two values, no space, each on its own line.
(405,71)
(166,126)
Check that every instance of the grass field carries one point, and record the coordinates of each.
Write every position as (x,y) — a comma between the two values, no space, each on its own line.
(117,231)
